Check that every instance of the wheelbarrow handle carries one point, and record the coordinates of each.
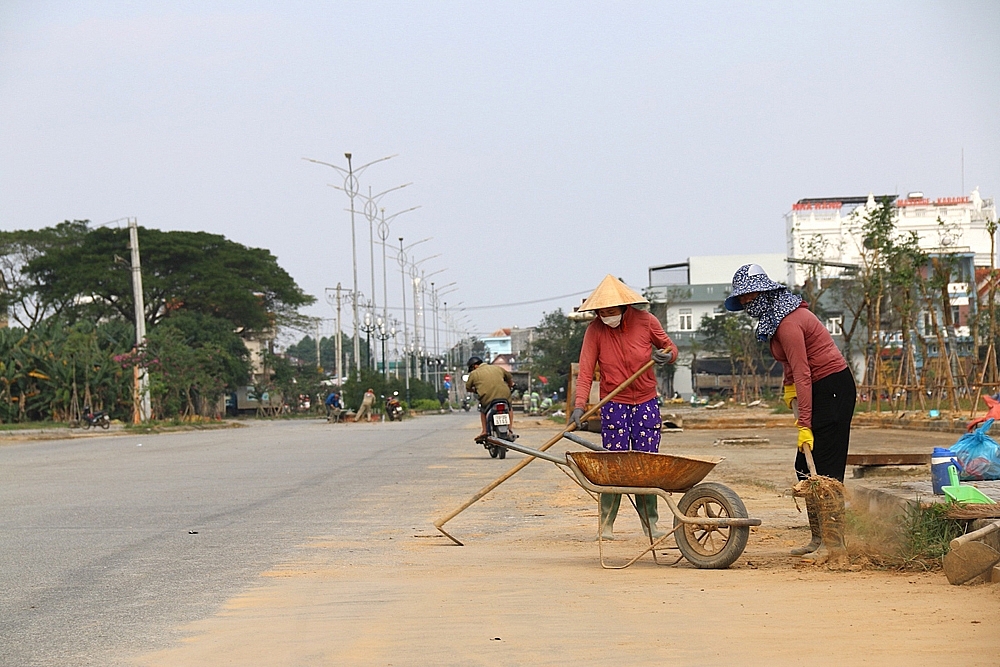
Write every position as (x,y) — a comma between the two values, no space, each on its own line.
(439,524)
(497,442)
(583,442)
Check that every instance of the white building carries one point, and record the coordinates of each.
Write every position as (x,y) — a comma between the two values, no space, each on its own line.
(697,287)
(829,229)
(684,293)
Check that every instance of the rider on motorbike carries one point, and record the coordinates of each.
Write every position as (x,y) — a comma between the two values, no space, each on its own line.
(490,383)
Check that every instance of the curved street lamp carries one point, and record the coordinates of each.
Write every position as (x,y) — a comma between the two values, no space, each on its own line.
(350,187)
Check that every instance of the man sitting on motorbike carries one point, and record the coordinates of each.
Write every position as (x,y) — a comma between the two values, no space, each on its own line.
(490,383)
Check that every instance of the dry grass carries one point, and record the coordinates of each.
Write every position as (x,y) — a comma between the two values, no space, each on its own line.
(916,540)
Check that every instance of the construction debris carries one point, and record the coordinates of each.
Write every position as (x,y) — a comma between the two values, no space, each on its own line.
(747,440)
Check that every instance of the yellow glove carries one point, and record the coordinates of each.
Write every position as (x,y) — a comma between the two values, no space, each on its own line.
(789,395)
(805,437)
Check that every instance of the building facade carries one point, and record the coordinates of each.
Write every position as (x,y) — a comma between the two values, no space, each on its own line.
(684,293)
(824,235)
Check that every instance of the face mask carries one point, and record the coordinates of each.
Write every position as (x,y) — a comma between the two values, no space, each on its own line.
(612,321)
(757,307)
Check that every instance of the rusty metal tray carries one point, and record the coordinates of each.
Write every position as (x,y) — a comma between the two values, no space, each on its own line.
(644,469)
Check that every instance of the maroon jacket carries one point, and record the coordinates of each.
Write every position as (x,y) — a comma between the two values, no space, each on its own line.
(621,351)
(807,353)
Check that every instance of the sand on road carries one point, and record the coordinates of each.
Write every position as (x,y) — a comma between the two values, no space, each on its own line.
(527,589)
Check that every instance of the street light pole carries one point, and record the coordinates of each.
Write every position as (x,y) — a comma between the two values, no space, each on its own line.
(371,212)
(383,234)
(351,186)
(402,279)
(368,326)
(352,190)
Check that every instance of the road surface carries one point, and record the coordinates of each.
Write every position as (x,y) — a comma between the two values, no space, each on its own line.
(303,543)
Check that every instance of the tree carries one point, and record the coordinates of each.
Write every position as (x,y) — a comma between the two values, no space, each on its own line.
(557,344)
(304,351)
(733,335)
(86,276)
(192,360)
(18,292)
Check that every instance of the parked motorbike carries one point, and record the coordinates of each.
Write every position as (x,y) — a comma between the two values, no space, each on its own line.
(393,408)
(498,417)
(95,419)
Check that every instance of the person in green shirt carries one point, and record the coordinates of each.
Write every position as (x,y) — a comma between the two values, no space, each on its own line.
(489,383)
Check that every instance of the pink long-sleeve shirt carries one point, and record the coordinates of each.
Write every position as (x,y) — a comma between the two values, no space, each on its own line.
(807,354)
(621,351)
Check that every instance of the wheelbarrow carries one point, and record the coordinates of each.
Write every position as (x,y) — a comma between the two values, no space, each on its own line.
(711,524)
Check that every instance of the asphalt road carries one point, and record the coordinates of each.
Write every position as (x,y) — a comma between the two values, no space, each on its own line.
(109,544)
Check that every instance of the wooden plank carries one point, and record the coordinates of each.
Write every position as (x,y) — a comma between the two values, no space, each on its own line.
(888,459)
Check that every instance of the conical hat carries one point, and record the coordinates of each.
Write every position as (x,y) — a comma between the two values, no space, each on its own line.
(612,292)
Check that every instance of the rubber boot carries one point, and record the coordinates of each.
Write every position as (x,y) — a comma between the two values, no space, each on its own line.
(648,512)
(610,502)
(833,535)
(833,551)
(817,536)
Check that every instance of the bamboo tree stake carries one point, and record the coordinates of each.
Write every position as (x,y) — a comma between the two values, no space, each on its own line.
(513,471)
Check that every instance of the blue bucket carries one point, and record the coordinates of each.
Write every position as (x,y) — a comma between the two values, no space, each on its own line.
(941,458)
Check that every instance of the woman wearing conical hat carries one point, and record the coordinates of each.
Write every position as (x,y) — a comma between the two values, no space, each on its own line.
(621,339)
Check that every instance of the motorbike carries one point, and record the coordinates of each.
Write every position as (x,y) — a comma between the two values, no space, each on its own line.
(393,408)
(498,414)
(466,403)
(95,419)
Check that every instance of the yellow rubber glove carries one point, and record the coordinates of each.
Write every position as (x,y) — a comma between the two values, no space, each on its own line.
(805,437)
(789,395)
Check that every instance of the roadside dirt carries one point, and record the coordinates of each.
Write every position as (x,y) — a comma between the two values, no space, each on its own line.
(528,589)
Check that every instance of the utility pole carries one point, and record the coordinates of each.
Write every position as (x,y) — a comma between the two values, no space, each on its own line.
(340,343)
(415,280)
(143,407)
(318,364)
(406,342)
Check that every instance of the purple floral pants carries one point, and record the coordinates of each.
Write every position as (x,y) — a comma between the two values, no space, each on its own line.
(625,427)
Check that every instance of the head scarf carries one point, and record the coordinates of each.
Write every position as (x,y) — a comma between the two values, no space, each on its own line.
(770,308)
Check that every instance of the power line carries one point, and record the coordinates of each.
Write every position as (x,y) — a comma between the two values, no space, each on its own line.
(526,303)
(508,305)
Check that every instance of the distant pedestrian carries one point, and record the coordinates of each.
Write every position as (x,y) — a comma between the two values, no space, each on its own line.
(366,406)
(333,406)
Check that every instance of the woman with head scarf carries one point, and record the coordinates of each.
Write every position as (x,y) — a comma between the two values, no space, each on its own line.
(621,340)
(817,385)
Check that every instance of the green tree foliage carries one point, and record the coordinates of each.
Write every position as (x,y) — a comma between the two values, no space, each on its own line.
(733,335)
(52,371)
(199,288)
(193,359)
(354,389)
(18,292)
(87,276)
(557,344)
(304,352)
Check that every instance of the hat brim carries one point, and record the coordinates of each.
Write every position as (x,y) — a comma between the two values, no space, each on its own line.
(610,293)
(733,301)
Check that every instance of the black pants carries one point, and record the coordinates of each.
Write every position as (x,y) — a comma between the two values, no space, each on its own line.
(833,400)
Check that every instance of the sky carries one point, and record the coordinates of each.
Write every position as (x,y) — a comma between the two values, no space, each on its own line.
(546,144)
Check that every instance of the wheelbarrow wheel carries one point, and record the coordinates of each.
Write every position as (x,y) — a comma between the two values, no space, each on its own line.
(711,547)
